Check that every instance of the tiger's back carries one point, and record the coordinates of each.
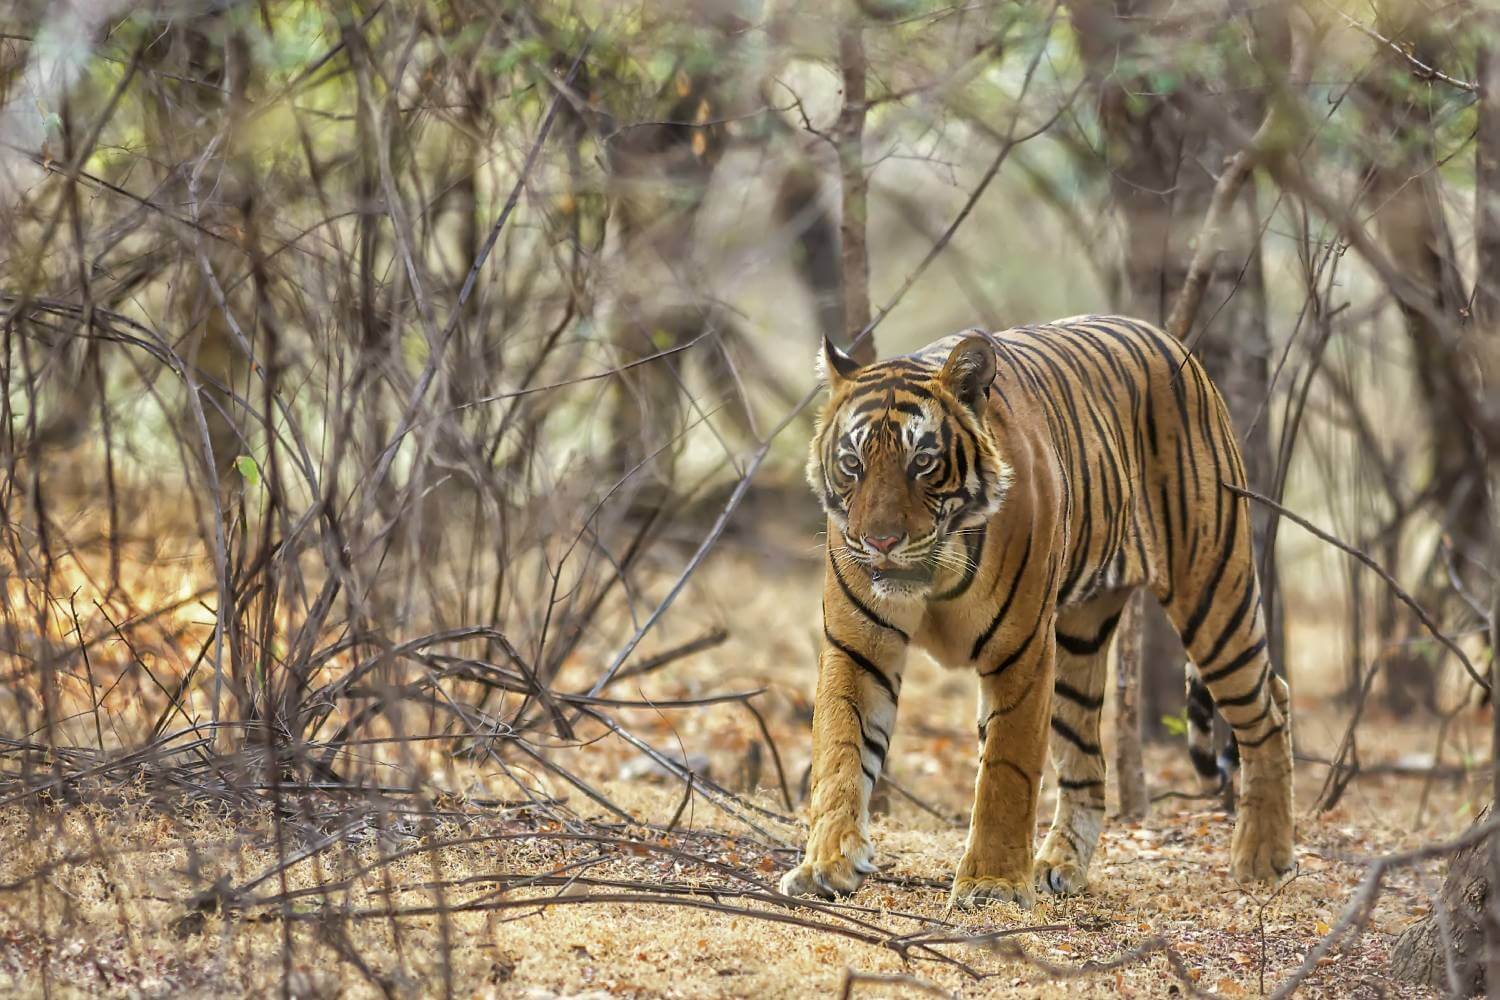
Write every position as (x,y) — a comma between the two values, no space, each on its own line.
(1145,446)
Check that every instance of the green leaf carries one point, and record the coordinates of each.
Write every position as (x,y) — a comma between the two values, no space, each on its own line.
(1175,724)
(248,470)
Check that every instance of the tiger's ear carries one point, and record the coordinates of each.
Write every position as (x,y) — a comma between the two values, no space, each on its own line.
(834,366)
(969,370)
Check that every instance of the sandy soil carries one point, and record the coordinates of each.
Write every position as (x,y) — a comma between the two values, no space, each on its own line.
(100,898)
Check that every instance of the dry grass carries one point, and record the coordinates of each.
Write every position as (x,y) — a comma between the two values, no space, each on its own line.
(110,898)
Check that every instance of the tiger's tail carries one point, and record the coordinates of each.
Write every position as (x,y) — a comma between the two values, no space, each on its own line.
(1215,771)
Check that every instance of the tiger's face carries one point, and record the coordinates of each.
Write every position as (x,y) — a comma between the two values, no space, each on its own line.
(904,461)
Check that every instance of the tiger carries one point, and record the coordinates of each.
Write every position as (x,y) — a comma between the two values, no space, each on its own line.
(994,499)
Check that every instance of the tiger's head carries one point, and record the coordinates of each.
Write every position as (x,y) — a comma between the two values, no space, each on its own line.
(904,459)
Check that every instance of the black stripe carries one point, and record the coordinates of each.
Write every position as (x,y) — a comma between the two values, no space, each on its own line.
(1200,709)
(957,451)
(1182,501)
(861,661)
(1066,732)
(1235,620)
(1073,786)
(1258,719)
(1248,696)
(1167,544)
(870,744)
(984,637)
(1105,361)
(1036,630)
(1205,603)
(875,748)
(1252,744)
(863,608)
(1204,762)
(1151,425)
(1085,533)
(888,382)
(1086,646)
(1076,696)
(911,364)
(1239,661)
(973,543)
(1020,651)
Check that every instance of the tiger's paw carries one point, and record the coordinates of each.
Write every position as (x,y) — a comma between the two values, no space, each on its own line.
(1060,877)
(1262,847)
(1060,870)
(834,872)
(971,892)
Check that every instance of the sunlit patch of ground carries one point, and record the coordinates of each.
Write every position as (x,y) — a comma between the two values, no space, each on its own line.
(117,898)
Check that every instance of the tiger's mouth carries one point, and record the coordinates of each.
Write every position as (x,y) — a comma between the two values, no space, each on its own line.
(909,572)
(919,575)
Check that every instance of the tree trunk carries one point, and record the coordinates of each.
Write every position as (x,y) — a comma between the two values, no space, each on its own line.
(1447,950)
(1444,951)
(816,244)
(1486,327)
(207,51)
(658,177)
(849,134)
(1129,770)
(1407,199)
(1487,195)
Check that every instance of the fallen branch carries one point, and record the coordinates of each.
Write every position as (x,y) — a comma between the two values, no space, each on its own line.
(846,988)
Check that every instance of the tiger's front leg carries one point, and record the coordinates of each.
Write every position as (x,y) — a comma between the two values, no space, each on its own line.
(1014,707)
(854,712)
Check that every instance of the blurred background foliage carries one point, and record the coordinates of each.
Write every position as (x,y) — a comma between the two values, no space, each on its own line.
(352,334)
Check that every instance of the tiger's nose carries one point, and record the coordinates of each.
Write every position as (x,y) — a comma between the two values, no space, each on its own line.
(882,543)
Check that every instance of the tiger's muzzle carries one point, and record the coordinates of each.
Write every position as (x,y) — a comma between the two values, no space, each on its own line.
(902,569)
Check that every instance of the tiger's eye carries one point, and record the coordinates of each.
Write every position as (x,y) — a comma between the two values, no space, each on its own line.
(850,465)
(923,463)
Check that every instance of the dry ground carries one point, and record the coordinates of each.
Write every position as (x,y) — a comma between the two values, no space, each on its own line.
(96,892)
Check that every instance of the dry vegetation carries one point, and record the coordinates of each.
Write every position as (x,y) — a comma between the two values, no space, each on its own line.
(152,880)
(407,587)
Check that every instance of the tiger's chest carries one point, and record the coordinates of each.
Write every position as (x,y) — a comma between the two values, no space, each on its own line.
(973,615)
(1027,571)
(947,635)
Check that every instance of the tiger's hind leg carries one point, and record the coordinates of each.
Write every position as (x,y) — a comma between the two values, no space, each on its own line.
(1221,627)
(1083,640)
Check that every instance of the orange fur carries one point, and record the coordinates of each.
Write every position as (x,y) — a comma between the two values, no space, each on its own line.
(993,499)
